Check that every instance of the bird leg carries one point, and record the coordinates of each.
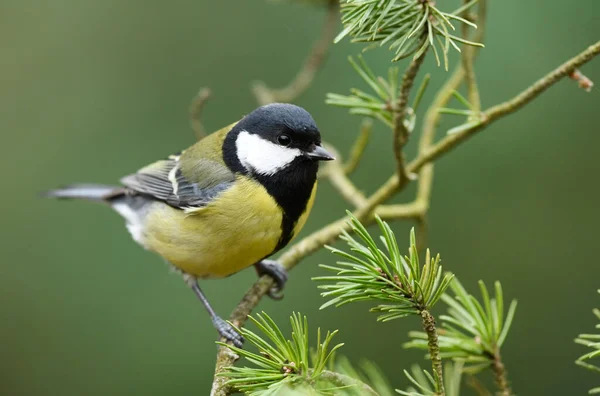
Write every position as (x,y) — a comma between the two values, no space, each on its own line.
(275,271)
(223,328)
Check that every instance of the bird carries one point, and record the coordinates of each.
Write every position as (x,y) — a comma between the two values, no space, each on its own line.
(228,202)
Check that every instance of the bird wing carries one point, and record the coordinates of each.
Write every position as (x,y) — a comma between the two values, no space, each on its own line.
(165,181)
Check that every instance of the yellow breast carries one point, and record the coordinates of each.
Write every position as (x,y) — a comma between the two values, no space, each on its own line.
(240,228)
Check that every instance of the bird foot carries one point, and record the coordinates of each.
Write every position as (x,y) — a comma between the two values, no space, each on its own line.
(275,271)
(228,332)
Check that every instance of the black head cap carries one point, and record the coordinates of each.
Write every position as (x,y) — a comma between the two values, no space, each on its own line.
(278,122)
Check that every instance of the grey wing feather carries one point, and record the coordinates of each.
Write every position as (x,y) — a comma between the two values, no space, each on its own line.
(164,181)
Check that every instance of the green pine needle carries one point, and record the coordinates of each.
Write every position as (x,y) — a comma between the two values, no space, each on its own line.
(423,384)
(281,363)
(591,341)
(408,27)
(378,106)
(473,330)
(381,104)
(370,273)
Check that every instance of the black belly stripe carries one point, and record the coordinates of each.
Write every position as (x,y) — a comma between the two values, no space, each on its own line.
(291,188)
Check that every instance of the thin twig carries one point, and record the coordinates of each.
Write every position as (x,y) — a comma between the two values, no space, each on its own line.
(434,350)
(503,109)
(334,172)
(432,119)
(196,109)
(332,231)
(312,64)
(401,211)
(359,146)
(401,132)
(500,376)
(468,56)
(584,82)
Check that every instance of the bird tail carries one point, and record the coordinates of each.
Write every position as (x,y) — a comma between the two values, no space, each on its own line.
(90,192)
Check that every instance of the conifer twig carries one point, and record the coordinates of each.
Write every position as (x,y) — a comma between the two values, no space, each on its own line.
(510,106)
(332,231)
(500,376)
(401,131)
(312,64)
(434,350)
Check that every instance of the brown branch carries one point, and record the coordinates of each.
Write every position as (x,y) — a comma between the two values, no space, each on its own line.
(503,109)
(401,132)
(432,119)
(584,82)
(401,211)
(335,173)
(312,64)
(433,345)
(468,55)
(196,109)
(500,376)
(332,231)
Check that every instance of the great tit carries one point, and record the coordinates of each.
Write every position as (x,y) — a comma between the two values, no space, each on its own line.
(228,202)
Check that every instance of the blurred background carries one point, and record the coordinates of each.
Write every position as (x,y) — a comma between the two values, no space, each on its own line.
(93,90)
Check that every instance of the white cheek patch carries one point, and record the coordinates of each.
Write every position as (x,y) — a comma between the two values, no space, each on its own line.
(263,156)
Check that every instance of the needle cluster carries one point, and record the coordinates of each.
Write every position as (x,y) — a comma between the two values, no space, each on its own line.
(408,27)
(370,273)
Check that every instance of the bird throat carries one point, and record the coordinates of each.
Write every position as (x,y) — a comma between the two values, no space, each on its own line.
(291,186)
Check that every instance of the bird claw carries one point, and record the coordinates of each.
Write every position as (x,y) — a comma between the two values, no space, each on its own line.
(228,332)
(275,271)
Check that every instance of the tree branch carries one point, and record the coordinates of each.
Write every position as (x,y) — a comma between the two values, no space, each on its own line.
(401,132)
(468,55)
(314,61)
(500,376)
(196,109)
(434,350)
(334,171)
(503,109)
(332,231)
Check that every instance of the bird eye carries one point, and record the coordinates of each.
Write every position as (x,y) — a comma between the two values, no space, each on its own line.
(284,140)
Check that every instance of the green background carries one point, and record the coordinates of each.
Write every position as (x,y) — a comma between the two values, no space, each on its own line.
(92,90)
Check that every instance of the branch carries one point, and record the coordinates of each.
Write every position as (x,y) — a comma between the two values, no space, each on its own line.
(432,119)
(434,351)
(584,82)
(503,109)
(401,211)
(468,55)
(337,176)
(196,109)
(401,131)
(314,61)
(364,214)
(500,376)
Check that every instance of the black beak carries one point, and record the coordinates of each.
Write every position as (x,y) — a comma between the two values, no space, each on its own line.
(318,153)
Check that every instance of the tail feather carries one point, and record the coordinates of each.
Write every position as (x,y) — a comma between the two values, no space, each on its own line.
(92,192)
